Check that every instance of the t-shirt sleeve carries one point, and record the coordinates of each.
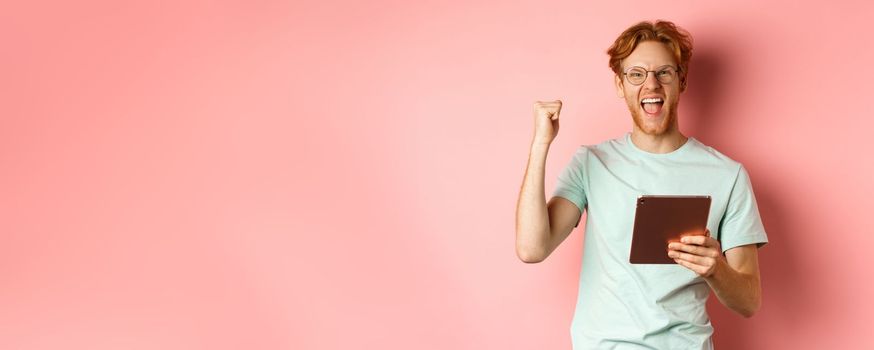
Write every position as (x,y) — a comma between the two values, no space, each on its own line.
(571,179)
(741,224)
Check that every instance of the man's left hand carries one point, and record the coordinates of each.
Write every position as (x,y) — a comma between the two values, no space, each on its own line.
(701,254)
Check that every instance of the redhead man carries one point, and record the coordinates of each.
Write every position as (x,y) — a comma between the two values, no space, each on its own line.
(644,306)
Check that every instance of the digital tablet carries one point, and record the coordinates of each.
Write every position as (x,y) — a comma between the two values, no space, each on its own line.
(661,219)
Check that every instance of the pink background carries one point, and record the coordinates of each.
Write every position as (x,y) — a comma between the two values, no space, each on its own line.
(344,175)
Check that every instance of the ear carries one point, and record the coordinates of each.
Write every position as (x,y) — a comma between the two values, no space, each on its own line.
(620,88)
(682,82)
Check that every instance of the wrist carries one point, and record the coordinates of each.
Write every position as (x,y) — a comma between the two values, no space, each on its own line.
(721,270)
(540,143)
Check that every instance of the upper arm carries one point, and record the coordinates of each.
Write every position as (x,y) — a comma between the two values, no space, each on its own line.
(564,215)
(744,259)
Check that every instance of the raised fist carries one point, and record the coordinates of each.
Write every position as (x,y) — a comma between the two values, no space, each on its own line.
(546,120)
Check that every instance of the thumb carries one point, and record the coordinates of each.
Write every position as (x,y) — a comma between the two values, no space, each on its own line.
(557,110)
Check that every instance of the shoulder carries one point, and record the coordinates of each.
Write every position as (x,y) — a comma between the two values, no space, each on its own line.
(711,156)
(582,152)
(605,148)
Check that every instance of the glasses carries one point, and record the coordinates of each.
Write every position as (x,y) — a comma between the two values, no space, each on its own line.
(637,75)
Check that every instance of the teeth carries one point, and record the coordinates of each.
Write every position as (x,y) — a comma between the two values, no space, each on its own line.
(651,100)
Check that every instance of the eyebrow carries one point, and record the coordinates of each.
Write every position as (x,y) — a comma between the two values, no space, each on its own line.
(657,68)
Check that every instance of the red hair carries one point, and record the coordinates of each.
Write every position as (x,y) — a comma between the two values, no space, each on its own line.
(677,39)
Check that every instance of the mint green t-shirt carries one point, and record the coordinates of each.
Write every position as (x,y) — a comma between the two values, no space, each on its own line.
(649,306)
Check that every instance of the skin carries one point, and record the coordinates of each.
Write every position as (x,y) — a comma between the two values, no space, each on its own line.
(734,277)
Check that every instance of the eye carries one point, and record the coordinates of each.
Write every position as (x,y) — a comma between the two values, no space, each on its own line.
(666,72)
(635,74)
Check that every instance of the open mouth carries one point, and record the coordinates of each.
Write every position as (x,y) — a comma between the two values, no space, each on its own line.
(652,105)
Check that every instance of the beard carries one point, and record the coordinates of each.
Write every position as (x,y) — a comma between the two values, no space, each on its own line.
(650,126)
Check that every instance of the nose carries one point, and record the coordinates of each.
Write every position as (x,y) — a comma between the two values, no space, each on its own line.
(651,81)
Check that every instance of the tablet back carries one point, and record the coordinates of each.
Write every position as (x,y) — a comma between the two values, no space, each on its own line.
(659,220)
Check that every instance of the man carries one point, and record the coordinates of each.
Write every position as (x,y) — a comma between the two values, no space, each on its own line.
(652,306)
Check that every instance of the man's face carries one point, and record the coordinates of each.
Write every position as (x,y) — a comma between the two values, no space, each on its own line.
(651,118)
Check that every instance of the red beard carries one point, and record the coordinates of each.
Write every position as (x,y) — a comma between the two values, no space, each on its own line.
(650,125)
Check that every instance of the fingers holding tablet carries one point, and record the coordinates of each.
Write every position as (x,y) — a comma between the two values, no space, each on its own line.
(701,254)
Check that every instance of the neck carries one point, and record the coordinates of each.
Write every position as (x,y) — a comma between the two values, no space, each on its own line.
(662,143)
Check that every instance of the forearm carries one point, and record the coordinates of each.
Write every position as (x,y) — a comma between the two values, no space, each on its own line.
(532,217)
(738,291)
